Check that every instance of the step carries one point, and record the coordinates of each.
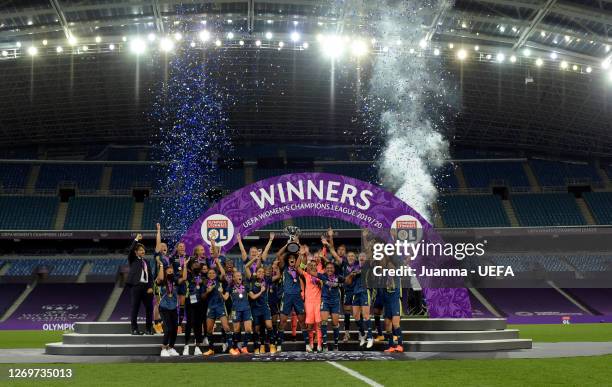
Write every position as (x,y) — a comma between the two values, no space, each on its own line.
(114,339)
(412,346)
(416,324)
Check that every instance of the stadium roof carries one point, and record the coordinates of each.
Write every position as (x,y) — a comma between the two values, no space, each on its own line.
(562,111)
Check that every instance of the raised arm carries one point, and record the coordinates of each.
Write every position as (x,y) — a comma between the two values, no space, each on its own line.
(264,255)
(328,243)
(158,239)
(280,256)
(132,252)
(247,268)
(242,249)
(220,266)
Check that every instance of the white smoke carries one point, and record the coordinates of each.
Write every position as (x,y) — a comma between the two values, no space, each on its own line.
(409,87)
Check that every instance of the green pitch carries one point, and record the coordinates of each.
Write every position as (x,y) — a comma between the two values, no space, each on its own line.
(580,371)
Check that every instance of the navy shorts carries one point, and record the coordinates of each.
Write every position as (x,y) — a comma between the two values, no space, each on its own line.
(260,315)
(216,311)
(391,303)
(377,302)
(242,315)
(331,306)
(361,299)
(274,307)
(348,298)
(292,302)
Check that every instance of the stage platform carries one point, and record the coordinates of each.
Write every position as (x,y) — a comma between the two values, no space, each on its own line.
(420,335)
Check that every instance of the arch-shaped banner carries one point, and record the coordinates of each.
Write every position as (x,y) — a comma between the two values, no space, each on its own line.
(333,196)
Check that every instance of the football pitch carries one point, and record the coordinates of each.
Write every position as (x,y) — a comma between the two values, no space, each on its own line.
(582,371)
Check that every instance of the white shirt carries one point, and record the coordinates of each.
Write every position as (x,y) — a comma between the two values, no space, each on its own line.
(144,274)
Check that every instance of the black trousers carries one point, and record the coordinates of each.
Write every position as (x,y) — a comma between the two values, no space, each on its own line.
(170,319)
(195,317)
(139,296)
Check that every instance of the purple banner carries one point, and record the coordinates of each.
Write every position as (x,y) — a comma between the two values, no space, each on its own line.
(323,195)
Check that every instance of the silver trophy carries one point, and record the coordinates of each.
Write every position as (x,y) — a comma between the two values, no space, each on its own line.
(292,232)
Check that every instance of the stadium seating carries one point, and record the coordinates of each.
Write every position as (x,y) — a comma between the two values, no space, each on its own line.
(27,212)
(99,213)
(590,263)
(600,204)
(152,213)
(57,267)
(264,173)
(9,292)
(309,222)
(128,176)
(562,174)
(232,179)
(365,172)
(504,173)
(472,211)
(522,263)
(106,266)
(86,176)
(548,209)
(13,176)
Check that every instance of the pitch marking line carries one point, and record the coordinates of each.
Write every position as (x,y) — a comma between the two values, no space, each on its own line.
(355,374)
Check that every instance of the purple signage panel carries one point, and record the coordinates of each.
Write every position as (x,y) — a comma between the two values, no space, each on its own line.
(325,195)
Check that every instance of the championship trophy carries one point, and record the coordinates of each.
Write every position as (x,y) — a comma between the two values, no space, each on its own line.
(292,232)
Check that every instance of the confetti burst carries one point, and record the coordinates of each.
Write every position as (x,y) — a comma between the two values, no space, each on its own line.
(191,114)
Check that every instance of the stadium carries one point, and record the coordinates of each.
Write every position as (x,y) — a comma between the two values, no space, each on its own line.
(378,193)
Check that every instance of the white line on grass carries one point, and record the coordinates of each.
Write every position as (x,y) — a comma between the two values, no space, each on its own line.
(355,374)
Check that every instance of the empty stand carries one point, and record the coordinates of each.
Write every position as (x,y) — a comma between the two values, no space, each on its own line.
(557,174)
(549,209)
(472,211)
(9,292)
(495,173)
(600,204)
(86,177)
(318,223)
(129,176)
(27,212)
(59,303)
(531,305)
(13,176)
(99,213)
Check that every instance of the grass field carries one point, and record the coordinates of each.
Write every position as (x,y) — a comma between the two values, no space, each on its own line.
(539,333)
(583,371)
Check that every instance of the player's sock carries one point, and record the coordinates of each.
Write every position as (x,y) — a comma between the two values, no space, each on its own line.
(310,338)
(347,322)
(389,338)
(360,324)
(305,333)
(256,337)
(324,333)
(369,328)
(247,338)
(235,339)
(228,339)
(210,340)
(398,332)
(319,336)
(336,334)
(281,336)
(379,327)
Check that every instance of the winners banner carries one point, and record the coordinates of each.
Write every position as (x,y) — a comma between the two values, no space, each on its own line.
(331,196)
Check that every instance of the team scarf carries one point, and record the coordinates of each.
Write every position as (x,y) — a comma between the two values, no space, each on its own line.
(353,267)
(210,262)
(314,280)
(239,288)
(210,283)
(331,280)
(292,273)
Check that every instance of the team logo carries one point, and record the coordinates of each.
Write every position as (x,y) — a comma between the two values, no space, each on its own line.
(218,228)
(407,228)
